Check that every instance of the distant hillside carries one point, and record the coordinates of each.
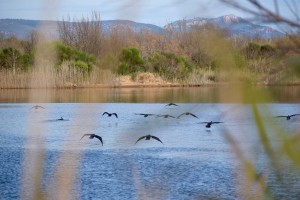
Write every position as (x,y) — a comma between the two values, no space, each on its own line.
(236,26)
(22,28)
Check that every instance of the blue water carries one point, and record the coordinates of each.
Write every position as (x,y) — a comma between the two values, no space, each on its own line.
(194,162)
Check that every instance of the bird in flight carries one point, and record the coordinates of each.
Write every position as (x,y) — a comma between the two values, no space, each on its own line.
(288,117)
(208,124)
(144,114)
(187,113)
(37,107)
(165,116)
(148,137)
(110,114)
(92,136)
(171,104)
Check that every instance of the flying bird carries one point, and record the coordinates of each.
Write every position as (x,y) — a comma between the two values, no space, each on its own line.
(148,137)
(187,113)
(171,104)
(288,117)
(110,114)
(208,124)
(144,114)
(37,107)
(92,136)
(165,116)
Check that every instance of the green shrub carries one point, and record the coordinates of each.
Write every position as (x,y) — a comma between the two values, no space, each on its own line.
(202,60)
(79,59)
(131,61)
(254,50)
(170,66)
(11,58)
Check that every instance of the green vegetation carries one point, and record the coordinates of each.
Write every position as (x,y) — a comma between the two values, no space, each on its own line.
(82,61)
(131,61)
(170,66)
(83,55)
(11,58)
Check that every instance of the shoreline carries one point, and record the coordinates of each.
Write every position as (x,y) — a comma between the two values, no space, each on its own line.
(106,86)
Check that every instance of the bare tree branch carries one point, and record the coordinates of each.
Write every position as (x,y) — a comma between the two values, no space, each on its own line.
(265,13)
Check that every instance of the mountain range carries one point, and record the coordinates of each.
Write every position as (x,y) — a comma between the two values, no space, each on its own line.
(235,26)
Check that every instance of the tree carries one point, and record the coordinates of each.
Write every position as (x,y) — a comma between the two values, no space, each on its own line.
(86,34)
(11,58)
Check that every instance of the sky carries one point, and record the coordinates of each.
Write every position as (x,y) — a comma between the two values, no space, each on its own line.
(158,12)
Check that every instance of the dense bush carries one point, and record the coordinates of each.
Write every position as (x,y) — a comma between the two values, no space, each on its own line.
(11,58)
(79,59)
(170,66)
(131,61)
(255,50)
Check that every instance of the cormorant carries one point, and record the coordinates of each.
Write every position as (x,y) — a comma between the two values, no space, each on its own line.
(148,137)
(208,124)
(37,106)
(110,114)
(288,117)
(92,136)
(171,104)
(187,113)
(144,114)
(165,116)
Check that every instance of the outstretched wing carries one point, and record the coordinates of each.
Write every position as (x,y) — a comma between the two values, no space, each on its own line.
(115,114)
(294,115)
(204,122)
(85,135)
(180,115)
(100,138)
(281,116)
(140,139)
(193,115)
(217,122)
(156,138)
(105,113)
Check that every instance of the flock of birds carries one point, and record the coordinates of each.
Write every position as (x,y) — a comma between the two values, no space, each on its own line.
(148,137)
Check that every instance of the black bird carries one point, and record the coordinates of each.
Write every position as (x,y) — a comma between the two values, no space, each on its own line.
(288,117)
(208,124)
(92,136)
(148,137)
(61,119)
(187,113)
(165,116)
(171,104)
(110,114)
(144,114)
(37,106)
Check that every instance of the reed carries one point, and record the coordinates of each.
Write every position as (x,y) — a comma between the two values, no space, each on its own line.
(254,182)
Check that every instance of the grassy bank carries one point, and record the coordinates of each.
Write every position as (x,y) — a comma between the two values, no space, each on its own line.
(195,56)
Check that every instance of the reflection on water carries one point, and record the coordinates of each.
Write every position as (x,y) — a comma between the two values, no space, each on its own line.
(211,94)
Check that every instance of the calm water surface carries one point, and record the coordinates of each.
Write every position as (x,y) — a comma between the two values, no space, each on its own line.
(194,162)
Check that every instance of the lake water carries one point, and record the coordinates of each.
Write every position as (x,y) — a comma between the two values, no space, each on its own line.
(194,162)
